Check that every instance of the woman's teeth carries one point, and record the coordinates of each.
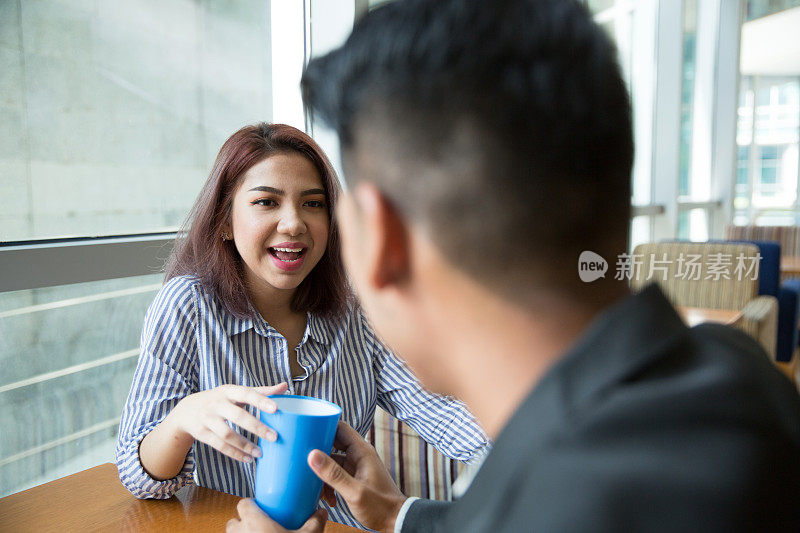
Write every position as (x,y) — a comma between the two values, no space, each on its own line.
(288,255)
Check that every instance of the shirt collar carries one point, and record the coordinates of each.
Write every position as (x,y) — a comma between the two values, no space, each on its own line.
(316,328)
(234,325)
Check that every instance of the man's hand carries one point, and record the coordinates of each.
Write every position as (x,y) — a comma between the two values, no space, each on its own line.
(362,480)
(252,518)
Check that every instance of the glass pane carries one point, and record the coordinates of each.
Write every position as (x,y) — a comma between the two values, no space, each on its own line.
(777,118)
(762,8)
(769,175)
(640,230)
(744,115)
(742,166)
(111,113)
(777,218)
(68,355)
(596,6)
(683,225)
(687,94)
(775,183)
(698,225)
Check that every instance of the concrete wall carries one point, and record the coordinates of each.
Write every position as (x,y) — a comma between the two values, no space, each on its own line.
(111,113)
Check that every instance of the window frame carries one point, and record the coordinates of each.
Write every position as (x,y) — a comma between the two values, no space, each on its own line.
(39,263)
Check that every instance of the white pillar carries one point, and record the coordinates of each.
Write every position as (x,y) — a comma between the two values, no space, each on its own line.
(666,124)
(713,163)
(331,24)
(723,168)
(287,35)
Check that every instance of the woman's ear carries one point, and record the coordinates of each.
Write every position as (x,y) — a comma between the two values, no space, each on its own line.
(385,248)
(226,231)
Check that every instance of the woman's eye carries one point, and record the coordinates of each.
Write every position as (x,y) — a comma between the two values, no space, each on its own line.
(315,203)
(266,202)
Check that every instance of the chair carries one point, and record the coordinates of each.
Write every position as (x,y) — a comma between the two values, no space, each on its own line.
(787,293)
(787,236)
(666,264)
(416,467)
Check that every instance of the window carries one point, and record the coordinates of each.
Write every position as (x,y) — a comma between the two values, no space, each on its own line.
(114,112)
(68,355)
(772,133)
(620,20)
(768,116)
(111,114)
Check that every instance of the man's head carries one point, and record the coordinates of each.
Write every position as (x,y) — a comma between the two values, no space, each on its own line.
(499,130)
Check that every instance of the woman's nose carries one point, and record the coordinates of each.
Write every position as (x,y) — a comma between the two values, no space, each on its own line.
(291,222)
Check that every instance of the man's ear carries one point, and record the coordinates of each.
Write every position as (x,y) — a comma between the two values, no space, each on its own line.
(386,247)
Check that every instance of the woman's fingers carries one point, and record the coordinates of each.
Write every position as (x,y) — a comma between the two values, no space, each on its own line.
(280,388)
(229,442)
(248,422)
(216,442)
(255,396)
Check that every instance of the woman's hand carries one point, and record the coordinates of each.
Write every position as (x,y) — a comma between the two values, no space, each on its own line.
(203,415)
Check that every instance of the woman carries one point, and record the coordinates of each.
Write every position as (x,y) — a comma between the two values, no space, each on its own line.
(256,303)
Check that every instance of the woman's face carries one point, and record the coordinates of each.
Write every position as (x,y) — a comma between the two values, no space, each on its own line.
(279,221)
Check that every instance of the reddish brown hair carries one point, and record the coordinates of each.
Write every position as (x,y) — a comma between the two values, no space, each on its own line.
(201,252)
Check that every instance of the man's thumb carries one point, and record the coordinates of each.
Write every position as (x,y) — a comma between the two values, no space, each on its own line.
(331,473)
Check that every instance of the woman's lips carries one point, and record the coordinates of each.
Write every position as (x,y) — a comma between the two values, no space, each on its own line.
(280,256)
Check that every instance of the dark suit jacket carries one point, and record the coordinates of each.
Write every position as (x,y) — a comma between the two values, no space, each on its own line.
(644,425)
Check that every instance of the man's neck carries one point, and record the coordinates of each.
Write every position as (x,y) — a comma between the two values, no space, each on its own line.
(503,350)
(512,357)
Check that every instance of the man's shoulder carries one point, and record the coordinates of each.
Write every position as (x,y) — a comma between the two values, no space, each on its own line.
(715,374)
(709,427)
(732,369)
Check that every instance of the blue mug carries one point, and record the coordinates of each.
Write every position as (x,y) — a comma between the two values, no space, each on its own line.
(286,487)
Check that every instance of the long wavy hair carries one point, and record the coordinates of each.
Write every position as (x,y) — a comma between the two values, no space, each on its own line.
(200,251)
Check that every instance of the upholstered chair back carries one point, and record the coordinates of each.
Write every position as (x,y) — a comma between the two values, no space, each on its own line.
(787,236)
(671,265)
(416,466)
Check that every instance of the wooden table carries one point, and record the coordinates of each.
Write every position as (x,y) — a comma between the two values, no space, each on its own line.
(790,266)
(95,500)
(697,315)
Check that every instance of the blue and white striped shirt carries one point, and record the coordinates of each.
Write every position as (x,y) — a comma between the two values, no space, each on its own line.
(190,343)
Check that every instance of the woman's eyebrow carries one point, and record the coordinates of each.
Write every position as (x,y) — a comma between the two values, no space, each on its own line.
(279,192)
(264,188)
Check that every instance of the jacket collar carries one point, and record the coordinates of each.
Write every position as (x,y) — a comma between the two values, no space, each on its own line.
(626,338)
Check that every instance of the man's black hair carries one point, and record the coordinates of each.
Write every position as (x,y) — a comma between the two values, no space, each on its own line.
(502,128)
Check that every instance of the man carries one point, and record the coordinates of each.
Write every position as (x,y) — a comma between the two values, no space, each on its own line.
(486,145)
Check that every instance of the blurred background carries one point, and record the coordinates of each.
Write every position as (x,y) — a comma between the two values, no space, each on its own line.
(111,114)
